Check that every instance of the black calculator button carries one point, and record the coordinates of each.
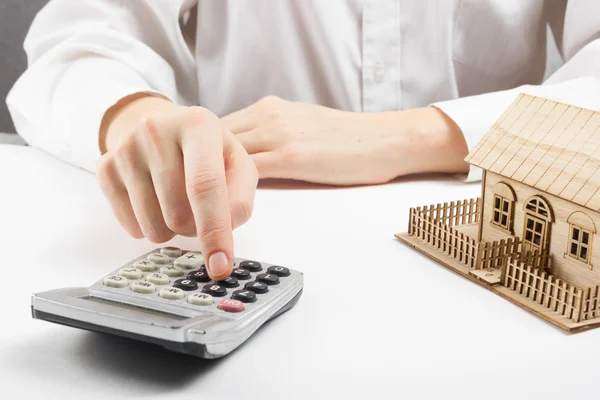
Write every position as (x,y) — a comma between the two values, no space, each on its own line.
(251,266)
(241,274)
(278,270)
(185,284)
(214,290)
(245,296)
(257,287)
(199,276)
(269,279)
(230,282)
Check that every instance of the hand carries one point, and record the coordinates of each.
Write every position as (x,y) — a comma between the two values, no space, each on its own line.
(173,170)
(319,144)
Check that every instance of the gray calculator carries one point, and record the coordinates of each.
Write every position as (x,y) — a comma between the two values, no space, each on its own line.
(166,297)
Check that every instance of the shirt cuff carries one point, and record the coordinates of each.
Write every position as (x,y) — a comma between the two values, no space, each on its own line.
(475,115)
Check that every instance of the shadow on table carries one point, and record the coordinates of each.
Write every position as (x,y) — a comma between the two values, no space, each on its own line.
(111,360)
(290,184)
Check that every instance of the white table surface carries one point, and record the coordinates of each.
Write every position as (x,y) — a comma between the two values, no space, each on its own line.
(376,320)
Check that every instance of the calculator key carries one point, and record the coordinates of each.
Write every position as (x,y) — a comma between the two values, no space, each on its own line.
(199,276)
(229,282)
(185,284)
(115,281)
(200,299)
(158,258)
(257,287)
(142,287)
(269,279)
(171,270)
(251,266)
(245,296)
(278,270)
(214,290)
(145,265)
(171,293)
(130,273)
(158,279)
(241,274)
(171,251)
(190,260)
(231,305)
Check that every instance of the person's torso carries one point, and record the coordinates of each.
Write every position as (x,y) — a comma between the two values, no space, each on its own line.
(369,55)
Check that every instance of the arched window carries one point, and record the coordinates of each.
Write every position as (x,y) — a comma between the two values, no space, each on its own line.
(503,206)
(581,235)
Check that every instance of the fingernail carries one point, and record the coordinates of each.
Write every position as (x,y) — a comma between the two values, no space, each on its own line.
(218,264)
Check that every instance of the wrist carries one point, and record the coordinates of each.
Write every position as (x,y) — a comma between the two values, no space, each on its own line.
(122,117)
(421,140)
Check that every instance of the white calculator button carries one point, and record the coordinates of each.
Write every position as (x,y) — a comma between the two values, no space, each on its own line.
(200,299)
(142,287)
(115,281)
(158,279)
(171,271)
(171,251)
(130,273)
(158,258)
(190,260)
(145,265)
(171,293)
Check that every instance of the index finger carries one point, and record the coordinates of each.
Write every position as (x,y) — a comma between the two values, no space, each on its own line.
(206,187)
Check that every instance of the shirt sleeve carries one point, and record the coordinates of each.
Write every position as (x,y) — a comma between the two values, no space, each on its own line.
(577,82)
(84,56)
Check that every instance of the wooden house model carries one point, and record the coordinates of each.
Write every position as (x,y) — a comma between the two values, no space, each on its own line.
(532,235)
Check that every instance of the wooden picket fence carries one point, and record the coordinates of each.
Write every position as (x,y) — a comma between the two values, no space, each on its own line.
(491,255)
(443,237)
(591,303)
(545,289)
(459,212)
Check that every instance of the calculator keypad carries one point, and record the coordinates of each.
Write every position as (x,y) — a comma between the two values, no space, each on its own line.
(174,275)
(158,279)
(171,271)
(185,284)
(171,293)
(158,258)
(131,273)
(115,281)
(200,299)
(142,287)
(257,287)
(145,265)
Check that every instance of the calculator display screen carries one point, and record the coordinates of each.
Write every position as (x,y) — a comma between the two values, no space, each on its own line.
(136,308)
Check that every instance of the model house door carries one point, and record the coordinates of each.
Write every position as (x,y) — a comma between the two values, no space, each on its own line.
(535,234)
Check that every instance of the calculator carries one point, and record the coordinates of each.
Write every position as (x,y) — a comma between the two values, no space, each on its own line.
(166,297)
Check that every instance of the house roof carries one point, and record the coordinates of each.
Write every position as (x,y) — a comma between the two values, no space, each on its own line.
(551,146)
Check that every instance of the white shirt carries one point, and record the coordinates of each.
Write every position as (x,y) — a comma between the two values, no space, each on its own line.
(363,56)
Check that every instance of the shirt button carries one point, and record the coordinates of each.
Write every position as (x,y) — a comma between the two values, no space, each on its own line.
(379,72)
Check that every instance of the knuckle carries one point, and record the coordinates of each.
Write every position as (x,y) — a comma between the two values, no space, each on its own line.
(180,220)
(198,115)
(214,233)
(270,107)
(156,235)
(149,132)
(242,210)
(204,182)
(104,167)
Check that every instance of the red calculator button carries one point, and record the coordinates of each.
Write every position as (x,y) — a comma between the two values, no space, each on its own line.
(231,305)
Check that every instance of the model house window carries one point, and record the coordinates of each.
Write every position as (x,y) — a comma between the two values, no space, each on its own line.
(503,201)
(502,212)
(581,235)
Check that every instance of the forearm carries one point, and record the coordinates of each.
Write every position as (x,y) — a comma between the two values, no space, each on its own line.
(423,140)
